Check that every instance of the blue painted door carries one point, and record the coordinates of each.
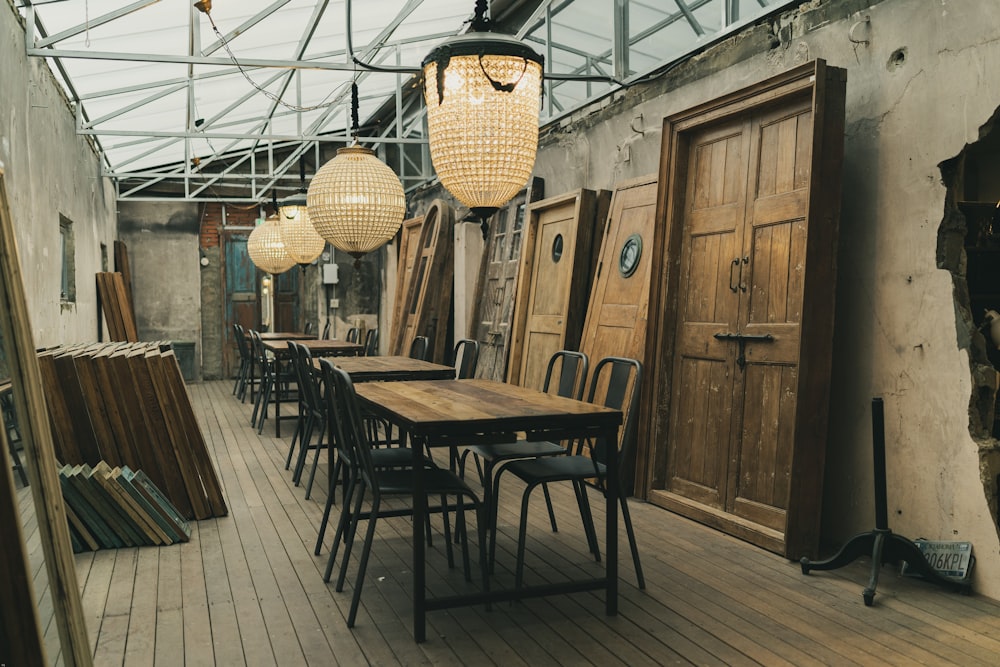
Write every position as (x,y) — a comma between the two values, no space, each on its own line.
(242,302)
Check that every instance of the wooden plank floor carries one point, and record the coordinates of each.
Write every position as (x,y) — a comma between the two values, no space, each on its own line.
(247,589)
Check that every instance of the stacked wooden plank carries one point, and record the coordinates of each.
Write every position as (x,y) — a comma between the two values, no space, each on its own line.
(114,507)
(126,404)
(117,307)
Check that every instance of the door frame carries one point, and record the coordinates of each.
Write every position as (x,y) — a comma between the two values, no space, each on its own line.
(826,88)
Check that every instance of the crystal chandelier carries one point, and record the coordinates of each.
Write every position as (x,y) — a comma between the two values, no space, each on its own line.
(267,249)
(302,242)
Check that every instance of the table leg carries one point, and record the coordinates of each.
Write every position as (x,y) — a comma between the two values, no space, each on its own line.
(277,397)
(611,510)
(419,555)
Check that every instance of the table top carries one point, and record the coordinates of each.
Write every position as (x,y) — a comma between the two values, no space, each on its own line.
(286,335)
(392,368)
(440,410)
(319,348)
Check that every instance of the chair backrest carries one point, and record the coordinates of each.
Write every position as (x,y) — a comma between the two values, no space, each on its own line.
(371,343)
(326,331)
(572,373)
(308,328)
(352,441)
(620,380)
(419,348)
(466,358)
(344,449)
(241,341)
(352,335)
(307,382)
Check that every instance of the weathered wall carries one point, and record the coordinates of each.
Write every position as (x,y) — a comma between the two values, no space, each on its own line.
(917,93)
(162,241)
(50,171)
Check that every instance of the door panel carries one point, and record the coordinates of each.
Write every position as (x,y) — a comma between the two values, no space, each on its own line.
(241,302)
(286,300)
(751,192)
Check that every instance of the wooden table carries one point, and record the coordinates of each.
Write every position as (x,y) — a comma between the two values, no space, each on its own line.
(441,413)
(392,369)
(286,335)
(318,348)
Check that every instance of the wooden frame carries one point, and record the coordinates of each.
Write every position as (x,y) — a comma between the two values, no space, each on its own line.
(825,86)
(17,603)
(409,238)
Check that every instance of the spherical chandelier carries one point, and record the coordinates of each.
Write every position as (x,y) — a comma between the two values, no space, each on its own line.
(355,201)
(483,92)
(267,249)
(302,242)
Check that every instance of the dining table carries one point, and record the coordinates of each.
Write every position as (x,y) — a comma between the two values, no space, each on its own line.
(445,413)
(287,335)
(390,369)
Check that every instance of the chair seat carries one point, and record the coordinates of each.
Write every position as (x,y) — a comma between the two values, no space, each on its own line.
(436,482)
(517,450)
(393,457)
(554,469)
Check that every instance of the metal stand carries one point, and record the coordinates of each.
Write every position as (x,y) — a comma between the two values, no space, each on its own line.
(883,545)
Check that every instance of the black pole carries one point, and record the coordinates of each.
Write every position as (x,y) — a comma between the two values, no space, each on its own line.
(878,453)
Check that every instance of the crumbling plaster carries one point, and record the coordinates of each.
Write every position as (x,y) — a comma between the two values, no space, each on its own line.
(898,331)
(50,171)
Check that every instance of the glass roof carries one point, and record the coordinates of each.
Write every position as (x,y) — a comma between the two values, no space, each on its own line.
(164,99)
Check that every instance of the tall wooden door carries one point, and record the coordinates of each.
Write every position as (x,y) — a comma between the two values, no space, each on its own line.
(756,196)
(553,281)
(409,243)
(497,285)
(241,301)
(428,299)
(286,300)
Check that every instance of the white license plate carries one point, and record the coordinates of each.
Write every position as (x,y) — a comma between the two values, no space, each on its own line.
(949,559)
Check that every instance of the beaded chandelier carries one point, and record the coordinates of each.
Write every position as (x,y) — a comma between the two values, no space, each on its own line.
(482,92)
(266,248)
(302,242)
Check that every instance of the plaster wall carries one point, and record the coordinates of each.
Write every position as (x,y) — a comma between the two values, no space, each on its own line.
(50,172)
(917,93)
(162,241)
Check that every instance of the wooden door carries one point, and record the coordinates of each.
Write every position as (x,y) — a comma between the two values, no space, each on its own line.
(554,281)
(286,300)
(753,190)
(497,285)
(241,301)
(409,243)
(428,298)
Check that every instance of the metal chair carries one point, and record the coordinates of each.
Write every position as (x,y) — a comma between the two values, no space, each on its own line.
(366,477)
(419,348)
(275,379)
(308,329)
(371,343)
(586,460)
(312,415)
(352,335)
(245,376)
(466,358)
(572,381)
(326,330)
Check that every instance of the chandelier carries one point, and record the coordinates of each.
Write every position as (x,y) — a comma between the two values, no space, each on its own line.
(482,92)
(267,249)
(355,201)
(302,242)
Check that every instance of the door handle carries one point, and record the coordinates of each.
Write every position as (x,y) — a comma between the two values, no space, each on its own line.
(746,260)
(741,341)
(733,265)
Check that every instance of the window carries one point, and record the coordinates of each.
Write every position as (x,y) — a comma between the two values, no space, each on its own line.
(67,288)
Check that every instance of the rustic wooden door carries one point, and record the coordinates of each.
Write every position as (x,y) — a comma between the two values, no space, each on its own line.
(755,197)
(497,285)
(286,300)
(409,242)
(241,301)
(553,281)
(428,299)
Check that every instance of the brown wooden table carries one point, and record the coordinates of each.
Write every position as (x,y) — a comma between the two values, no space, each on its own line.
(442,413)
(391,369)
(286,335)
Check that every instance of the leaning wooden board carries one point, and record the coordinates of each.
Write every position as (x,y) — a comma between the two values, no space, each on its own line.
(409,243)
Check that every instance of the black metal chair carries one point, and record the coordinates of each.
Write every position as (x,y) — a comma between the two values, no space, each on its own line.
(308,328)
(352,335)
(371,343)
(312,415)
(326,330)
(276,380)
(420,348)
(466,358)
(365,476)
(245,376)
(572,367)
(586,460)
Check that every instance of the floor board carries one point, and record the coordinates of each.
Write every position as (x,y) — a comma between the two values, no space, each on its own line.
(248,589)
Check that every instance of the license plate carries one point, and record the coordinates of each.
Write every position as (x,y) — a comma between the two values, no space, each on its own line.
(950,559)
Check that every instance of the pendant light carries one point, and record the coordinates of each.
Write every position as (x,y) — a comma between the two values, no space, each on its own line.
(267,249)
(483,93)
(355,201)
(302,242)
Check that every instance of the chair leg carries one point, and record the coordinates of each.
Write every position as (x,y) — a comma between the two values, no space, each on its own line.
(447,531)
(352,530)
(327,508)
(548,506)
(343,524)
(588,518)
(460,528)
(482,522)
(319,448)
(627,517)
(304,445)
(522,535)
(363,565)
